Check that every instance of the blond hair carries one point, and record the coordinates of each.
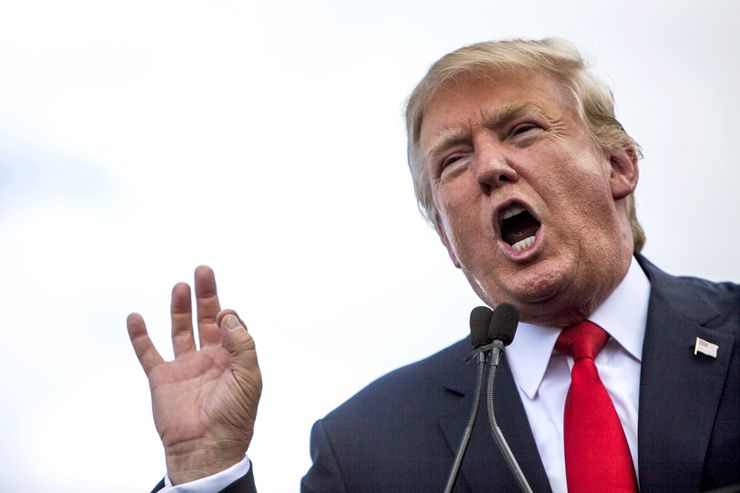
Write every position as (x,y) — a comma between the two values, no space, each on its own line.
(554,57)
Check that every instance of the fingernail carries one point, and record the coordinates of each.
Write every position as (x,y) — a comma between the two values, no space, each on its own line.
(231,322)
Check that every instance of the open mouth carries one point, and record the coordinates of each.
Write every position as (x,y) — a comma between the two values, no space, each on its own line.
(518,227)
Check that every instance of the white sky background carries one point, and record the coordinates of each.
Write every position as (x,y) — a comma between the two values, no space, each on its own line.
(140,139)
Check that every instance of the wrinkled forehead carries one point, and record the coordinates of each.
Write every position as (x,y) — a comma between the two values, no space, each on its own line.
(433,85)
(474,99)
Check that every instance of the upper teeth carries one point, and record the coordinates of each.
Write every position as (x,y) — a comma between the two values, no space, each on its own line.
(513,211)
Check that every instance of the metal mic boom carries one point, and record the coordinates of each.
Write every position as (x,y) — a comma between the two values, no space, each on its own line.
(502,329)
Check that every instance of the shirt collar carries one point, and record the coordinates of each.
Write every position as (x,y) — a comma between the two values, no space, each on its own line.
(623,315)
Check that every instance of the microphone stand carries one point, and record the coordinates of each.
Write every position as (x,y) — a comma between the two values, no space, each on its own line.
(498,436)
(463,447)
(489,346)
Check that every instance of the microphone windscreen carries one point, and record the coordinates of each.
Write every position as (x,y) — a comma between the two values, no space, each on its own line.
(503,323)
(480,320)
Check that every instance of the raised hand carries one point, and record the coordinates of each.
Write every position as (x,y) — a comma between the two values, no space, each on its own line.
(205,400)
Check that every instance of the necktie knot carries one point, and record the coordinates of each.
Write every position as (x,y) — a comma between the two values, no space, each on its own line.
(582,340)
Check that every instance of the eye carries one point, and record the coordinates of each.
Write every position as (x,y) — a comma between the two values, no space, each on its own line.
(451,159)
(523,128)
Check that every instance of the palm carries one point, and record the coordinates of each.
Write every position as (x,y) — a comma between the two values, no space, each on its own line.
(196,392)
(206,398)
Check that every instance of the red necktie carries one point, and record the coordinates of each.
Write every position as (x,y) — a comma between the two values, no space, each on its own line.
(597,457)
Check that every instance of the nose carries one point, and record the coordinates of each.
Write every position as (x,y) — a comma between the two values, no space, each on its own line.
(493,169)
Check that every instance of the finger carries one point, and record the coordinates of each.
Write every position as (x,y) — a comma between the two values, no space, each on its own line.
(206,298)
(228,311)
(147,354)
(181,311)
(240,345)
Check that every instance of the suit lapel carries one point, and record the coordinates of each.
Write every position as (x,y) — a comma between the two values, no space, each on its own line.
(484,468)
(679,391)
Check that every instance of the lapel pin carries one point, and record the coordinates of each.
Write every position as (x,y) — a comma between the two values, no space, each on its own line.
(705,347)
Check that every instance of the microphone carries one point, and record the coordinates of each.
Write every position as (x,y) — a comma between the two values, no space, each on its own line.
(480,323)
(501,330)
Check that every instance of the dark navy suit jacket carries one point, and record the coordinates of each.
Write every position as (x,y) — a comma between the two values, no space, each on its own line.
(400,433)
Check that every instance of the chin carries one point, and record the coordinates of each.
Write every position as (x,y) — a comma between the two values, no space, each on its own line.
(542,281)
(540,294)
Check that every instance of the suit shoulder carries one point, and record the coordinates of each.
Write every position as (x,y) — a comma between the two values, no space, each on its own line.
(714,289)
(714,304)
(413,382)
(725,295)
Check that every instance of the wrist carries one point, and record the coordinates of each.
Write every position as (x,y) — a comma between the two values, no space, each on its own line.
(190,461)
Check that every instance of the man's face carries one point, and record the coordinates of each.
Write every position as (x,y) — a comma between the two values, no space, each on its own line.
(529,209)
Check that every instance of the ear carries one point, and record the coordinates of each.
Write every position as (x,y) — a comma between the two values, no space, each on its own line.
(446,241)
(624,172)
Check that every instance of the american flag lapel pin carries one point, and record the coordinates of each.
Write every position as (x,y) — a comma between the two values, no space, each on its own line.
(705,347)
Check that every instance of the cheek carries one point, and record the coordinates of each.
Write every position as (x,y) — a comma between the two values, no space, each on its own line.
(593,197)
(454,226)
(459,209)
(449,201)
(460,229)
(473,247)
(575,181)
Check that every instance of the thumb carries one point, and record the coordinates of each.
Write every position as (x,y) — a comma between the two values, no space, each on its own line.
(239,343)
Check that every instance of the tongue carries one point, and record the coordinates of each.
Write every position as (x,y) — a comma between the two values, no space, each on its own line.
(516,228)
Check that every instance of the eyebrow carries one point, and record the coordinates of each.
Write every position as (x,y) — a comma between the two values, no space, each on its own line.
(492,119)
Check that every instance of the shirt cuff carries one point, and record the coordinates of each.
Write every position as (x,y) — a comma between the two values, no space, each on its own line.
(210,484)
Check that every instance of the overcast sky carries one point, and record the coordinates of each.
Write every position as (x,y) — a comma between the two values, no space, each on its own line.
(139,139)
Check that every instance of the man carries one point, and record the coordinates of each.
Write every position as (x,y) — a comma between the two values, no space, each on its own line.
(522,168)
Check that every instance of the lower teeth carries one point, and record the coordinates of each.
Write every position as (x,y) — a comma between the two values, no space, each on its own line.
(525,243)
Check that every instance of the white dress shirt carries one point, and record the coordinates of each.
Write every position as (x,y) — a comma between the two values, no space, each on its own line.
(209,484)
(542,377)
